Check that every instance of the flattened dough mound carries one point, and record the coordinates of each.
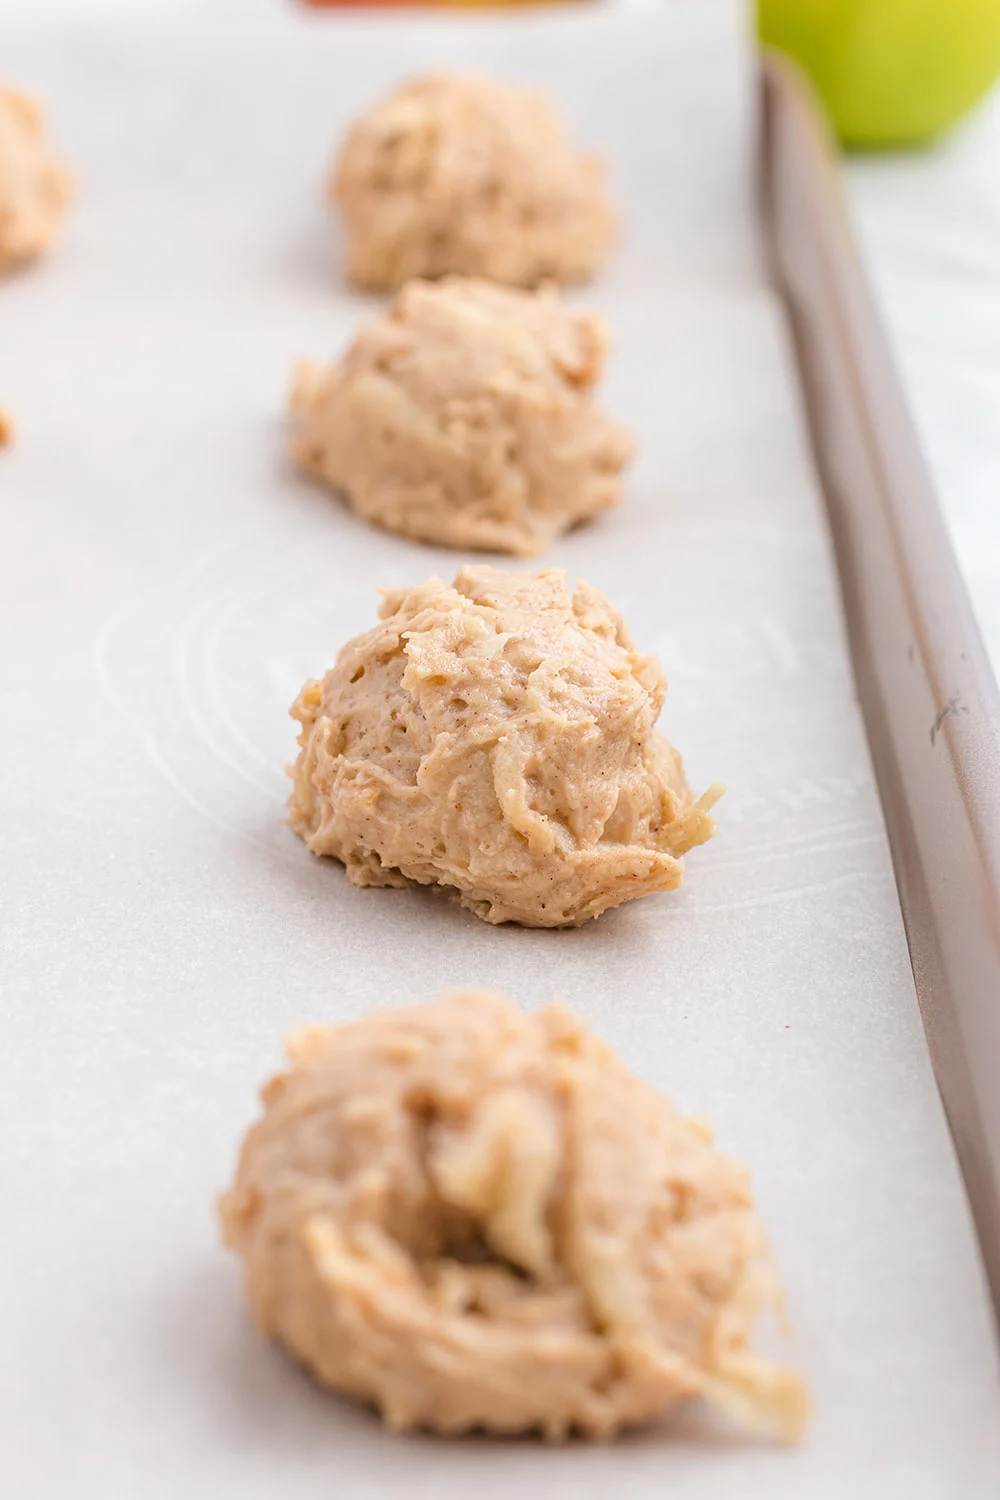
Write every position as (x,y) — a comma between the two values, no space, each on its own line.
(462,416)
(478,1219)
(496,737)
(34,187)
(455,173)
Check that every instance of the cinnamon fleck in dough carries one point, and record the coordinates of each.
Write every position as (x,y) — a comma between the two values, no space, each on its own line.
(475,1218)
(7,429)
(34,188)
(463,416)
(455,173)
(497,737)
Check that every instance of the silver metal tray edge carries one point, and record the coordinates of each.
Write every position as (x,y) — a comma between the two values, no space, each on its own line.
(926,687)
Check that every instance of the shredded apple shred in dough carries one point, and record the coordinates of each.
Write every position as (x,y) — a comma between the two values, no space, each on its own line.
(455,173)
(476,1218)
(462,415)
(34,188)
(496,736)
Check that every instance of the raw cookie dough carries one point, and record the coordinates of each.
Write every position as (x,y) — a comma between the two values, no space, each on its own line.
(462,416)
(496,737)
(34,188)
(478,1219)
(456,173)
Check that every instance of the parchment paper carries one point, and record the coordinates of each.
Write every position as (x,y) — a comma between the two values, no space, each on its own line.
(167,585)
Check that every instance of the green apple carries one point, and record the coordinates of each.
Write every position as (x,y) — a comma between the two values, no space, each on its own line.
(892,72)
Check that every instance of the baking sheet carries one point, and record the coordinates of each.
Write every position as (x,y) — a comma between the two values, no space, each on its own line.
(166,585)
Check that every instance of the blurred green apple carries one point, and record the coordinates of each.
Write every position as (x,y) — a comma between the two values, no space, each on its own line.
(892,72)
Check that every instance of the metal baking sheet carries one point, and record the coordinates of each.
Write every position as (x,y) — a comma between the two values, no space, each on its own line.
(926,686)
(167,583)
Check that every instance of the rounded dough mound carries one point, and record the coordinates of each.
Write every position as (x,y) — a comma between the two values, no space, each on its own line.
(34,188)
(454,173)
(461,416)
(478,1219)
(496,737)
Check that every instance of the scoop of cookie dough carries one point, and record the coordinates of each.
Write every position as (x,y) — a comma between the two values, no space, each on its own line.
(34,187)
(478,1219)
(462,416)
(456,173)
(497,737)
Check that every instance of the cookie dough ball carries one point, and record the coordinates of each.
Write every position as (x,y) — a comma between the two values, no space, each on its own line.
(463,416)
(497,737)
(478,1219)
(455,173)
(34,188)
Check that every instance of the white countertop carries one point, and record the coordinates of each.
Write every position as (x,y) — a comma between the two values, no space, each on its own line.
(929,227)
